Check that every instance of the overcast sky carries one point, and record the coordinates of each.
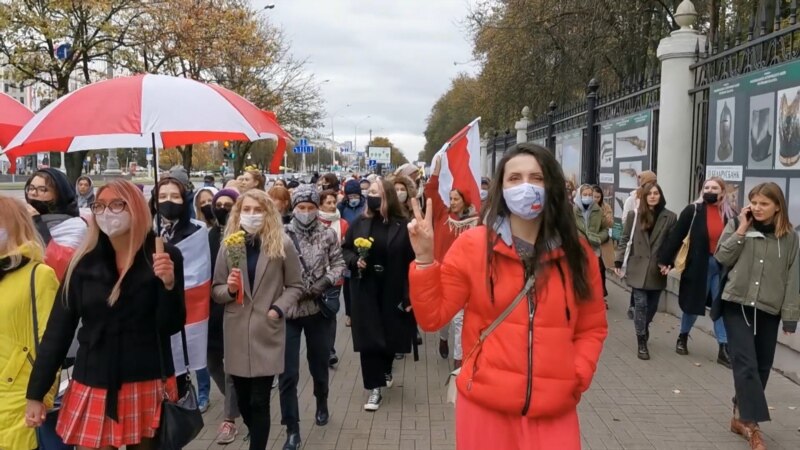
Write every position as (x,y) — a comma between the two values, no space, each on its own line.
(388,59)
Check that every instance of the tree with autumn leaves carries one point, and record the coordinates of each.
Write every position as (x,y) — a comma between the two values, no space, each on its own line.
(220,41)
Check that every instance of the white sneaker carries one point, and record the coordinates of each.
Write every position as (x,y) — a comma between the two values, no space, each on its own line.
(226,433)
(389,380)
(374,401)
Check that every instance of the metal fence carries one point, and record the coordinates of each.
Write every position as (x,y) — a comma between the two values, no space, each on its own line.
(633,95)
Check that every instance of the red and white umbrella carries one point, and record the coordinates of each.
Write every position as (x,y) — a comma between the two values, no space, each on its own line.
(13,115)
(142,111)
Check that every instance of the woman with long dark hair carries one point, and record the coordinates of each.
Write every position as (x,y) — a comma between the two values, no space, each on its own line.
(760,250)
(381,311)
(130,301)
(534,317)
(646,229)
(702,221)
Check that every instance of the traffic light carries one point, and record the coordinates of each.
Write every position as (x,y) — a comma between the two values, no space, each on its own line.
(228,153)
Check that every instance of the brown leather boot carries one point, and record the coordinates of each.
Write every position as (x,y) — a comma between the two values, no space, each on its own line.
(737,426)
(754,438)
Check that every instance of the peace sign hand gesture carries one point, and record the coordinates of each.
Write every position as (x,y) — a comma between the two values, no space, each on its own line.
(420,231)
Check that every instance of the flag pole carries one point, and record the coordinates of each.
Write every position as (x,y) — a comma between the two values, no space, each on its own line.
(159,239)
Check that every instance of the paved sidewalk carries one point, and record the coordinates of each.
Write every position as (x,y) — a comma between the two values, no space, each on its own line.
(670,402)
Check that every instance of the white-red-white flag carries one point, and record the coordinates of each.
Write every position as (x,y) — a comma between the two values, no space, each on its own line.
(461,165)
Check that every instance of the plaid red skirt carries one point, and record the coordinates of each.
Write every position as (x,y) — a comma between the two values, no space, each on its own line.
(83,421)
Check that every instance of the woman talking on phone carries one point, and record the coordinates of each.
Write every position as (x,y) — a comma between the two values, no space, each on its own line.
(760,250)
(534,316)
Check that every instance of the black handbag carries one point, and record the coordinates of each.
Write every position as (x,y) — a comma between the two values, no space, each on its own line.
(181,421)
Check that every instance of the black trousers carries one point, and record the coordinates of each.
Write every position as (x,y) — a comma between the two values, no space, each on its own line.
(216,367)
(318,349)
(374,367)
(346,290)
(752,336)
(253,395)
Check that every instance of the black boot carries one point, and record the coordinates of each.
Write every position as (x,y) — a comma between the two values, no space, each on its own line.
(723,357)
(680,346)
(322,416)
(643,353)
(293,440)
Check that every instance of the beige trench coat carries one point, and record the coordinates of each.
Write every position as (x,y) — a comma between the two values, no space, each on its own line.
(254,343)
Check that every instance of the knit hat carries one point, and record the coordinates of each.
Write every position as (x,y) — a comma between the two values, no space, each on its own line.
(231,193)
(648,176)
(305,193)
(406,170)
(352,187)
(179,173)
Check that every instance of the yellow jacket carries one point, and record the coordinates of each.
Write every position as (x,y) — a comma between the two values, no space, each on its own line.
(17,345)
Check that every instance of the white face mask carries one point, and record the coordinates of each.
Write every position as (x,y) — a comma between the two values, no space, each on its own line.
(525,200)
(113,224)
(587,200)
(484,194)
(305,218)
(364,192)
(251,223)
(3,237)
(402,196)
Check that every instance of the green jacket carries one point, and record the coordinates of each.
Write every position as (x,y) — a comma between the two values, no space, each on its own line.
(597,231)
(763,271)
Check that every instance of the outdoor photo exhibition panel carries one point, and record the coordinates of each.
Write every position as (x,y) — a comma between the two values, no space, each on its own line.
(624,154)
(754,133)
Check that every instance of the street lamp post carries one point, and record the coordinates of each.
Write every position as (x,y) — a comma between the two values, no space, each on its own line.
(355,136)
(333,136)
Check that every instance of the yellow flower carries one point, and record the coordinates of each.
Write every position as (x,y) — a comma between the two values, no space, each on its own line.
(363,243)
(235,239)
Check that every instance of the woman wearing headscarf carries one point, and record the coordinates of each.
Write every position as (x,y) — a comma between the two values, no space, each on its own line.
(85,191)
(54,208)
(191,238)
(29,290)
(204,205)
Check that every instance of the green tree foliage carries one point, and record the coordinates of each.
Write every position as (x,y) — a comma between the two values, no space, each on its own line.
(453,111)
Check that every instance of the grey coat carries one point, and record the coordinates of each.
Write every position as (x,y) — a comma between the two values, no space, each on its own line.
(254,343)
(642,270)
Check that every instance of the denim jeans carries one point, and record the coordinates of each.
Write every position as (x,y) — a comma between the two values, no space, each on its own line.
(712,288)
(203,385)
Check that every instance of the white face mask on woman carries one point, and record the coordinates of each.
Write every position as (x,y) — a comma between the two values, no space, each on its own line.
(251,223)
(525,200)
(402,196)
(113,224)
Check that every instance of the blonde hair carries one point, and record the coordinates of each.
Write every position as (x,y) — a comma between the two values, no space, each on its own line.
(141,223)
(271,233)
(774,192)
(21,231)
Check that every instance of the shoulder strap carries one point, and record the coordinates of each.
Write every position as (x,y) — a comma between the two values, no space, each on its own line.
(529,284)
(33,309)
(299,253)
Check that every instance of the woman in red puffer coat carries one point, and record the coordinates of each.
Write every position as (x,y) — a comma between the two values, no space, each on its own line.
(521,386)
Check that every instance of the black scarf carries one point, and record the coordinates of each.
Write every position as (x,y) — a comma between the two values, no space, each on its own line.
(764,228)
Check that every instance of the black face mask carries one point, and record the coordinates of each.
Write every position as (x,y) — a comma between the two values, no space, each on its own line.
(208,212)
(222,216)
(43,207)
(710,197)
(374,203)
(170,210)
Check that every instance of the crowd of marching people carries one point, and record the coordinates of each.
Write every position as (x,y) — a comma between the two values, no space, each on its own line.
(135,297)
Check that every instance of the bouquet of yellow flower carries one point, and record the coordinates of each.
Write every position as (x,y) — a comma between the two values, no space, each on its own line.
(234,244)
(363,245)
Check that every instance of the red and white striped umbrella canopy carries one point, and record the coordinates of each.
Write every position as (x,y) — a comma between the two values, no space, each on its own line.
(132,112)
(13,115)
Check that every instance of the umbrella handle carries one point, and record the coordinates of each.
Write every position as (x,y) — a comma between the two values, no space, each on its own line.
(159,245)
